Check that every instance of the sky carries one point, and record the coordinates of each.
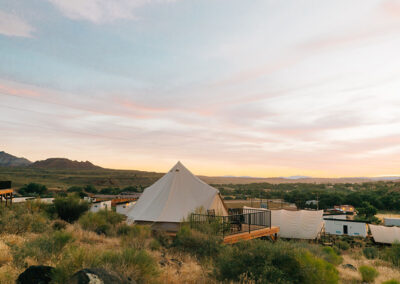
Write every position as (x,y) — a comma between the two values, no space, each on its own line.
(259,88)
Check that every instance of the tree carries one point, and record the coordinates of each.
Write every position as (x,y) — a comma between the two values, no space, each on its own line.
(33,189)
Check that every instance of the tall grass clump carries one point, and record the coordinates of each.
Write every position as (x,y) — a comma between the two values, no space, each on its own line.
(368,273)
(102,222)
(196,243)
(132,263)
(42,249)
(280,262)
(21,218)
(392,254)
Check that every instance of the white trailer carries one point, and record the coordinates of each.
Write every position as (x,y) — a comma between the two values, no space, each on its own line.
(345,227)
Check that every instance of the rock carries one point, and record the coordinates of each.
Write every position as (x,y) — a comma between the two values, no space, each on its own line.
(37,274)
(349,266)
(97,276)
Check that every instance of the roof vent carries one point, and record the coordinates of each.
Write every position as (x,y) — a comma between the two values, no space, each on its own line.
(177,170)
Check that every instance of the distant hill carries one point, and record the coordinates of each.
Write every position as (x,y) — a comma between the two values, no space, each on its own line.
(7,160)
(63,164)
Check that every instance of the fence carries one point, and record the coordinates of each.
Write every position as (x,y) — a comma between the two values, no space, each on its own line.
(238,221)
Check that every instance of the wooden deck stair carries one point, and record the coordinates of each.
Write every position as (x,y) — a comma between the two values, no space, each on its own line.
(264,232)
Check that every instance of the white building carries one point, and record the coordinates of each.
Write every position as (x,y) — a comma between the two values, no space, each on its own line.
(345,227)
(336,216)
(391,221)
(124,207)
(100,205)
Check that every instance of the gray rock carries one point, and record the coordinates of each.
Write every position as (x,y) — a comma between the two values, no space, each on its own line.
(36,274)
(349,266)
(98,276)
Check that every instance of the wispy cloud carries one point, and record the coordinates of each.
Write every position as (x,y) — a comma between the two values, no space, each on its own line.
(101,11)
(12,25)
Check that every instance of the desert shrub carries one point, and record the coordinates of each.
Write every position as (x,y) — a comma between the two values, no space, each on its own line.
(59,225)
(124,230)
(136,264)
(102,222)
(370,252)
(196,243)
(368,273)
(391,281)
(343,245)
(392,254)
(90,189)
(154,244)
(75,189)
(264,262)
(42,248)
(33,189)
(331,256)
(162,238)
(70,209)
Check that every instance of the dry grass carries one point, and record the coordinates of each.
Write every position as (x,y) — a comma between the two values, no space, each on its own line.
(181,268)
(385,269)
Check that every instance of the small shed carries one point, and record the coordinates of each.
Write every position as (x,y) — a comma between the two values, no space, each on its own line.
(345,227)
(391,221)
(100,205)
(124,207)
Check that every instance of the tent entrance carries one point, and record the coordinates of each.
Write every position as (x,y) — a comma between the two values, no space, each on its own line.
(345,230)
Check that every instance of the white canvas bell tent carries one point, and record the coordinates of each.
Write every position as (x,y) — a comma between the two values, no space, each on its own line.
(173,197)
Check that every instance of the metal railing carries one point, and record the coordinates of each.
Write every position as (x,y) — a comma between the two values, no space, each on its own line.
(238,221)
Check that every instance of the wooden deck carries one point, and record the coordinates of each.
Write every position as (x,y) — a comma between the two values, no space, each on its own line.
(7,194)
(264,232)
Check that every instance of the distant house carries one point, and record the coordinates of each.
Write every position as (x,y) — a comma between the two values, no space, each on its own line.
(345,227)
(345,208)
(124,207)
(340,216)
(391,221)
(100,205)
(312,202)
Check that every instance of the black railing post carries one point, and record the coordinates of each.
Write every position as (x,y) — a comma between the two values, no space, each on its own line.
(249,223)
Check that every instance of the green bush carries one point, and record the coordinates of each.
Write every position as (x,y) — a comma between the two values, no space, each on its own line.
(59,225)
(392,281)
(265,262)
(33,189)
(343,245)
(70,209)
(196,243)
(392,254)
(368,273)
(330,255)
(370,252)
(102,222)
(155,245)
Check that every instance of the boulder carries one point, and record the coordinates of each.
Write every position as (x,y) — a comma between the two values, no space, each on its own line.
(97,276)
(36,274)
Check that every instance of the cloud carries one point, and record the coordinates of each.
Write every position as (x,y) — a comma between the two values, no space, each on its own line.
(12,25)
(101,11)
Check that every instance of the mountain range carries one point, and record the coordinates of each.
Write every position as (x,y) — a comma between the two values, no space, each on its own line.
(8,160)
